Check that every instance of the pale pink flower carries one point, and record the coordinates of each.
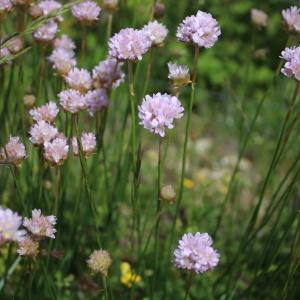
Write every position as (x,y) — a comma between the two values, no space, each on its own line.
(9,226)
(62,60)
(108,74)
(79,79)
(4,52)
(40,226)
(56,151)
(259,17)
(50,6)
(86,12)
(156,33)
(178,74)
(46,33)
(99,261)
(195,253)
(88,142)
(291,17)
(64,42)
(292,66)
(129,44)
(158,112)
(47,112)
(200,29)
(96,100)
(72,101)
(14,151)
(42,132)
(5,6)
(28,247)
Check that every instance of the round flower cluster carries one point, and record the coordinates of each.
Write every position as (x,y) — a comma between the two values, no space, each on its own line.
(56,151)
(158,112)
(195,253)
(72,101)
(64,42)
(5,7)
(47,112)
(291,18)
(42,132)
(292,66)
(179,75)
(14,151)
(49,6)
(88,142)
(46,33)
(108,74)
(156,33)
(86,12)
(28,247)
(99,261)
(79,79)
(96,100)
(259,17)
(201,30)
(129,44)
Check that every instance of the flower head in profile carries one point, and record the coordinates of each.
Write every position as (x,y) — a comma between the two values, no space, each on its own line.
(28,247)
(259,17)
(14,151)
(79,79)
(46,33)
(156,33)
(291,67)
(72,101)
(200,29)
(291,18)
(195,253)
(110,5)
(179,75)
(42,132)
(9,226)
(129,44)
(62,60)
(47,112)
(99,261)
(5,7)
(50,6)
(56,151)
(158,112)
(86,12)
(96,100)
(108,74)
(64,42)
(88,142)
(40,226)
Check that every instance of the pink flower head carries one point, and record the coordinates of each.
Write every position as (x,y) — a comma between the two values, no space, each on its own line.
(42,132)
(156,33)
(72,101)
(292,66)
(64,42)
(291,17)
(56,151)
(195,253)
(86,12)
(88,142)
(79,79)
(28,247)
(96,100)
(49,6)
(14,151)
(4,52)
(178,74)
(158,112)
(259,17)
(202,30)
(47,112)
(108,74)
(5,6)
(62,60)
(129,44)
(39,225)
(46,33)
(9,226)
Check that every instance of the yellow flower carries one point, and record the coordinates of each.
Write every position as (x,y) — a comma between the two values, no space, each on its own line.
(128,277)
(188,183)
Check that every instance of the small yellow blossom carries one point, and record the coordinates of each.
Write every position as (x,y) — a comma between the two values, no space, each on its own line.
(188,183)
(128,277)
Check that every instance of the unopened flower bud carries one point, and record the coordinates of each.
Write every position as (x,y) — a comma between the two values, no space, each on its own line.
(259,18)
(15,45)
(35,11)
(159,10)
(110,5)
(29,101)
(168,194)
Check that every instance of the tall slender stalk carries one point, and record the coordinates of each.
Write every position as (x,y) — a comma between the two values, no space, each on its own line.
(189,285)
(109,25)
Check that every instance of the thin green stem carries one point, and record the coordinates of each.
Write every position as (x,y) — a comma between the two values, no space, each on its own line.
(189,285)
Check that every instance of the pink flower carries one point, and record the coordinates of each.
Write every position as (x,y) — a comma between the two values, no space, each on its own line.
(9,226)
(46,33)
(47,112)
(64,42)
(28,247)
(50,6)
(4,52)
(86,12)
(14,151)
(129,44)
(5,6)
(195,253)
(259,17)
(72,101)
(202,30)
(178,74)
(39,225)
(88,142)
(292,66)
(42,132)
(56,151)
(156,33)
(79,79)
(108,74)
(62,60)
(96,100)
(158,112)
(291,17)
